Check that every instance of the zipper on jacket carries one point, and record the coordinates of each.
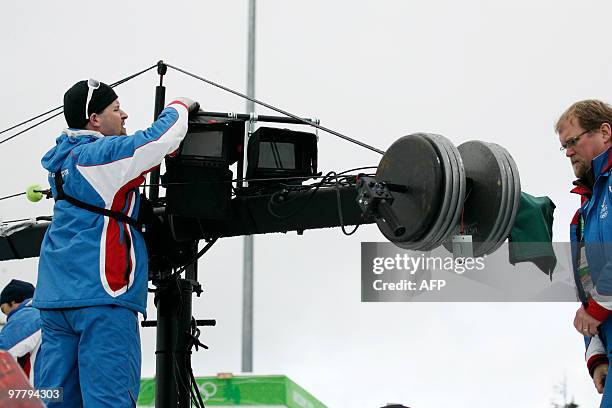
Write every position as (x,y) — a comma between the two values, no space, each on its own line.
(128,244)
(128,258)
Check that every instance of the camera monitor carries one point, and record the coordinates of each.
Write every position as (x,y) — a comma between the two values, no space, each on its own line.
(278,153)
(204,143)
(212,142)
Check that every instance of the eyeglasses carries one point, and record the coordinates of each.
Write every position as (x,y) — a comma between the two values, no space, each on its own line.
(92,85)
(573,141)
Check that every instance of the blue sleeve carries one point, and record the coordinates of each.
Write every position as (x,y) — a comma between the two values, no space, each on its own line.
(118,162)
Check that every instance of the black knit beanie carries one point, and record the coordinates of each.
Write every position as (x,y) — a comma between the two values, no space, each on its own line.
(76,97)
(16,291)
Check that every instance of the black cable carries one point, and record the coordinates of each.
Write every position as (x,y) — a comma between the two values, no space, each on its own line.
(288,188)
(196,388)
(202,251)
(114,84)
(177,371)
(193,401)
(31,119)
(192,388)
(186,183)
(314,187)
(308,199)
(193,339)
(336,184)
(357,168)
(19,220)
(60,107)
(121,81)
(31,127)
(254,179)
(12,195)
(340,216)
(302,120)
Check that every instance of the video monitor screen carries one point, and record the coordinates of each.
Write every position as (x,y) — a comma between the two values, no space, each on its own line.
(275,155)
(203,144)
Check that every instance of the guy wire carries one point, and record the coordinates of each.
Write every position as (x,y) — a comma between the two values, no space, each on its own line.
(114,84)
(305,121)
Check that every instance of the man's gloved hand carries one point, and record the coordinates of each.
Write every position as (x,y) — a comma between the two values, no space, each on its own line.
(599,377)
(192,106)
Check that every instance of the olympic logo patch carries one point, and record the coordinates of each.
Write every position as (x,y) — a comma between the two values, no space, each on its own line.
(207,390)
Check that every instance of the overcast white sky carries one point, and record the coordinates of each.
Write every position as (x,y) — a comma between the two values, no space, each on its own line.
(475,69)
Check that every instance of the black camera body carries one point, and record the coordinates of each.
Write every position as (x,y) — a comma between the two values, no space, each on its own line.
(198,178)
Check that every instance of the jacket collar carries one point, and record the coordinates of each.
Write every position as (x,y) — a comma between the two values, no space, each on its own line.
(600,164)
(82,132)
(23,304)
(583,188)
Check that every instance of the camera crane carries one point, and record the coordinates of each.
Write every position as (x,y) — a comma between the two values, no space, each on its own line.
(425,191)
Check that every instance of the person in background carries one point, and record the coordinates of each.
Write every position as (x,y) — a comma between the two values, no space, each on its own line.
(585,135)
(21,336)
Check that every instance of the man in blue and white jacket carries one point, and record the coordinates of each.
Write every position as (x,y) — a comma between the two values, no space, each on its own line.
(92,275)
(585,134)
(21,334)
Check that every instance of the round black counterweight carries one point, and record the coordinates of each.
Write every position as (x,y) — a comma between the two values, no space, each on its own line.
(412,162)
(485,204)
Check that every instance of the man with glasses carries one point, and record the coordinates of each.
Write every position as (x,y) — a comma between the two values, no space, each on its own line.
(92,275)
(585,135)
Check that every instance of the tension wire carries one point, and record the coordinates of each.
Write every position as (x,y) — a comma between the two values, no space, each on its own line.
(114,84)
(305,121)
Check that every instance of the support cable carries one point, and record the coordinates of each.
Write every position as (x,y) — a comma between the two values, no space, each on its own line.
(302,120)
(12,195)
(114,84)
(31,127)
(31,119)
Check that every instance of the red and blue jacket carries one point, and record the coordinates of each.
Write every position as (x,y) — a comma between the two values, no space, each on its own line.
(21,336)
(596,221)
(88,259)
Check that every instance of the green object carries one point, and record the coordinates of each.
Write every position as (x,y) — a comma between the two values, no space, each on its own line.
(276,391)
(531,236)
(33,193)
